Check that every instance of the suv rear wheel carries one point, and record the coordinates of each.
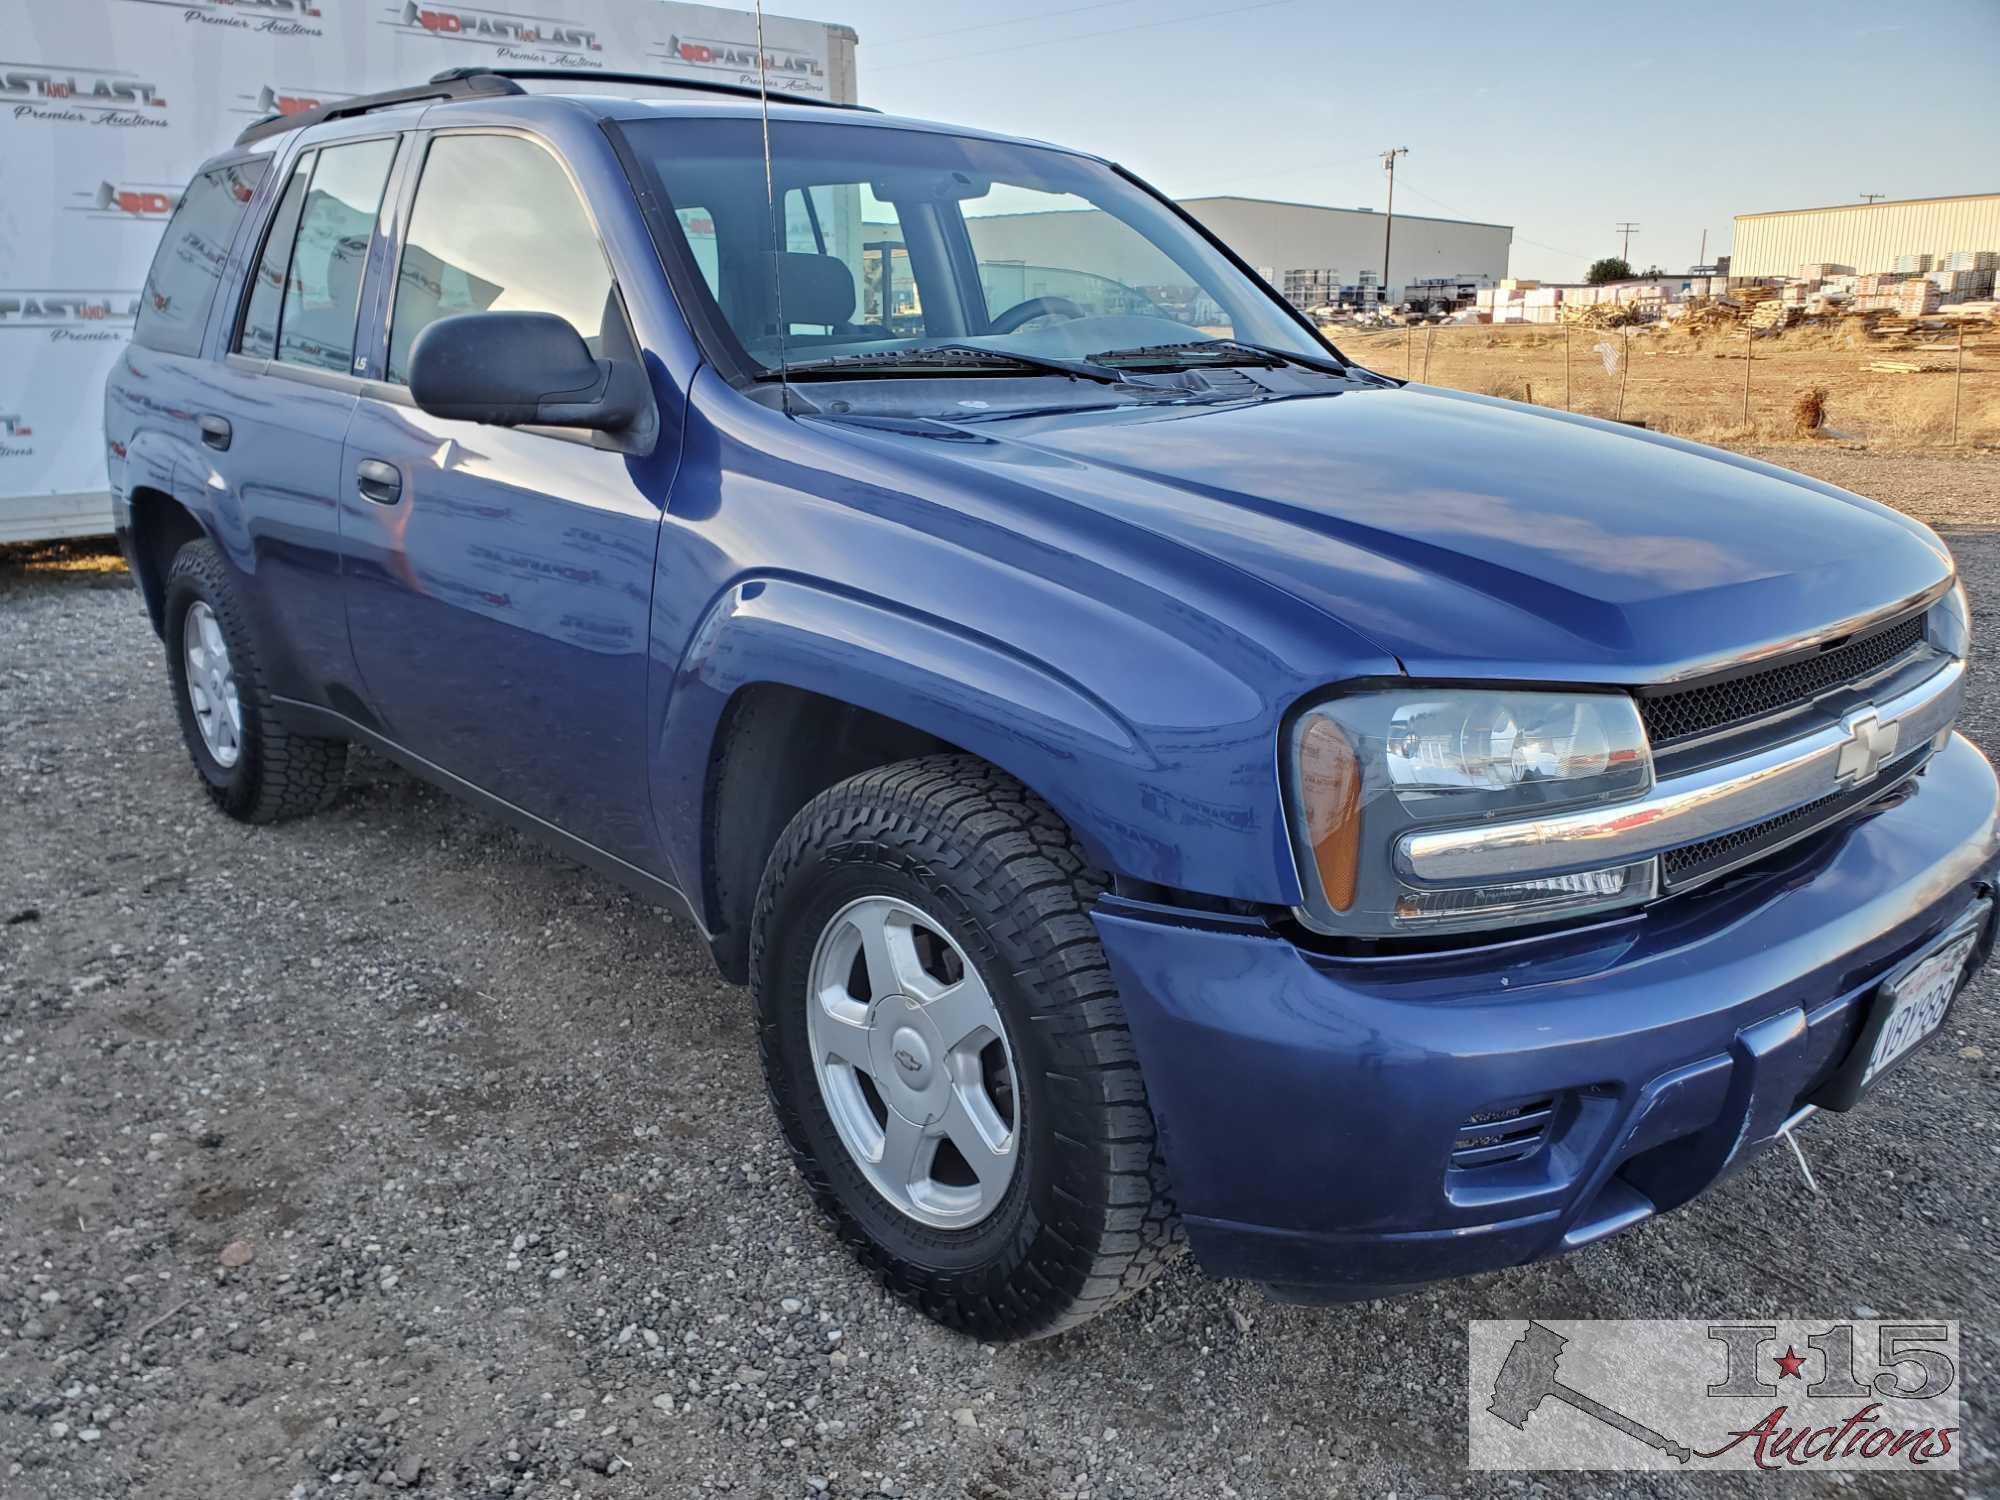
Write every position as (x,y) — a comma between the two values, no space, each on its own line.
(947,1053)
(255,769)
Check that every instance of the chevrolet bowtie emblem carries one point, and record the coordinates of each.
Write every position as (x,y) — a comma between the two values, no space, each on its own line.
(1869,743)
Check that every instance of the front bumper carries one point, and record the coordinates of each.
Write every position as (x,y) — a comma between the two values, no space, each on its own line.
(1308,1106)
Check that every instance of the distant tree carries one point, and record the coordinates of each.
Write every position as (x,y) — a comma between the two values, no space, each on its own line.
(1611,268)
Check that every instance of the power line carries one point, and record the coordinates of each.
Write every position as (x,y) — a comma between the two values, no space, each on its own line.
(1403,182)
(1084,36)
(1461,213)
(1229,189)
(1040,15)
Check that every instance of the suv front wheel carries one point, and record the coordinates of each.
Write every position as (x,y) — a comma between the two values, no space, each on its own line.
(947,1053)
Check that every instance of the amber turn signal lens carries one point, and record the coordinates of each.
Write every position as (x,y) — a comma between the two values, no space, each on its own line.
(1330,778)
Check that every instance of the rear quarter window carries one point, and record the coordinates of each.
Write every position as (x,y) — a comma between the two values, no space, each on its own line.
(187,269)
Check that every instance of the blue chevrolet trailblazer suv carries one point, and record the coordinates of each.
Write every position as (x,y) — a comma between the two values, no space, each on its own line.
(1162,782)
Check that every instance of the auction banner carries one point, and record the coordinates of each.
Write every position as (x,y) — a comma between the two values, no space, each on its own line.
(108,106)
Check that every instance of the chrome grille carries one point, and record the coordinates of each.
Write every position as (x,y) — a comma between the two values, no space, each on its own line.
(1677,866)
(1692,862)
(1682,713)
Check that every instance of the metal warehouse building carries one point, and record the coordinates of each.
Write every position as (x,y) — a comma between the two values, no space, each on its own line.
(1866,236)
(1277,238)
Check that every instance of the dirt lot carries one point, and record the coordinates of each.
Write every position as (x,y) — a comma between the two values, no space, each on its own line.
(386,1154)
(1693,386)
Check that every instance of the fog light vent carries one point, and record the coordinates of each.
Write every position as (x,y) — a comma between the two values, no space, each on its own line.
(1503,1133)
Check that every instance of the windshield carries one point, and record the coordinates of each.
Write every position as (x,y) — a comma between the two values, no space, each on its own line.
(887,242)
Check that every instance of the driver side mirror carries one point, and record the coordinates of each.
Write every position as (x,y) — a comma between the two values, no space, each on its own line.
(515,369)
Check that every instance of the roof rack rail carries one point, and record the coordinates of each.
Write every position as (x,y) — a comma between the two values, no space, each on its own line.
(462,83)
(656,80)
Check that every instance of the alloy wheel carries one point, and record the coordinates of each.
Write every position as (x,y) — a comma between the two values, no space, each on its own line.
(913,1063)
(211,685)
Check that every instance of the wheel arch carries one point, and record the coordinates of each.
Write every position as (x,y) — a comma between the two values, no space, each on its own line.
(161,526)
(790,687)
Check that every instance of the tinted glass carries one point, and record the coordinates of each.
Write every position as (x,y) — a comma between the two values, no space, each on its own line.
(698,224)
(267,283)
(880,233)
(323,287)
(1058,251)
(496,228)
(187,269)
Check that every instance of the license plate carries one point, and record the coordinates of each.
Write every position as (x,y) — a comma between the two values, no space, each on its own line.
(1917,1003)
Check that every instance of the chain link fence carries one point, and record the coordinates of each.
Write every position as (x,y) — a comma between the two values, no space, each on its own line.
(1850,380)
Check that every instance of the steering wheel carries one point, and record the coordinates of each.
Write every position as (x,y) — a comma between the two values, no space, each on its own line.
(1033,308)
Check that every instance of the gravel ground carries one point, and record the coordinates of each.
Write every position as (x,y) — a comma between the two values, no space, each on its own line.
(384,1153)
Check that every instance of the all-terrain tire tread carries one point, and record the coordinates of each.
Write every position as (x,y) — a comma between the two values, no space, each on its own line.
(287,774)
(1034,891)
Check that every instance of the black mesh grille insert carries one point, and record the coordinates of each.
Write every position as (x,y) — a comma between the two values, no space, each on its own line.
(1678,864)
(1692,861)
(1679,713)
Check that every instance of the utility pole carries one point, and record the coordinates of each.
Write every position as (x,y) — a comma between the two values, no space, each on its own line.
(1389,222)
(1626,253)
(1702,260)
(1871,197)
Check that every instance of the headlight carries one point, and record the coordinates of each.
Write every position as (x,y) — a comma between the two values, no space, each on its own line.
(1370,767)
(1949,624)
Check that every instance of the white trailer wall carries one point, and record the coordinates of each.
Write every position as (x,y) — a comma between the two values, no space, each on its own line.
(107,107)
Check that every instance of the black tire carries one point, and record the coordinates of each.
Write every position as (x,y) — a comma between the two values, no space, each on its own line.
(1088,1218)
(278,773)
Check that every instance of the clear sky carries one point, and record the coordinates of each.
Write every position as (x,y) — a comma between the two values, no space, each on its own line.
(1561,119)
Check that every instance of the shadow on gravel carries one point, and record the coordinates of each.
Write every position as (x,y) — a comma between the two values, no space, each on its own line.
(88,562)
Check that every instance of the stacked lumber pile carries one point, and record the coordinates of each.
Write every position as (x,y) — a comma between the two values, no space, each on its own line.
(1602,314)
(1907,366)
(1916,299)
(1772,314)
(1878,291)
(1710,316)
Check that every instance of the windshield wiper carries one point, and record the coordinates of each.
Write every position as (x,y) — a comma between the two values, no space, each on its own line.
(940,359)
(1209,354)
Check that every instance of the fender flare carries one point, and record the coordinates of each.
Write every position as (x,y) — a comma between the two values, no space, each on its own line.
(152,461)
(933,675)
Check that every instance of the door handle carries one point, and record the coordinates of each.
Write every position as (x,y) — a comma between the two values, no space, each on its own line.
(378,481)
(215,432)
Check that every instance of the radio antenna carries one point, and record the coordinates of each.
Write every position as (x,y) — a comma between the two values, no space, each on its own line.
(777,228)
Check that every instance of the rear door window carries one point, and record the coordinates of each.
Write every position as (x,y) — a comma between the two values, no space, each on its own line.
(323,288)
(188,267)
(305,294)
(259,338)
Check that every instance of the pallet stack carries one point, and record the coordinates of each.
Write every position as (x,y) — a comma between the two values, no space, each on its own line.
(1879,291)
(1709,316)
(1917,298)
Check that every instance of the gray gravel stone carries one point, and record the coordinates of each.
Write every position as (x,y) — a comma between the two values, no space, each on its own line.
(400,1041)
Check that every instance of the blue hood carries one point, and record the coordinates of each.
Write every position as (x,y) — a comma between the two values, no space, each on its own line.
(1470,536)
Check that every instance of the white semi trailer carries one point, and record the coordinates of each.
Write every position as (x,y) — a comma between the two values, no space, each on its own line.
(109,105)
